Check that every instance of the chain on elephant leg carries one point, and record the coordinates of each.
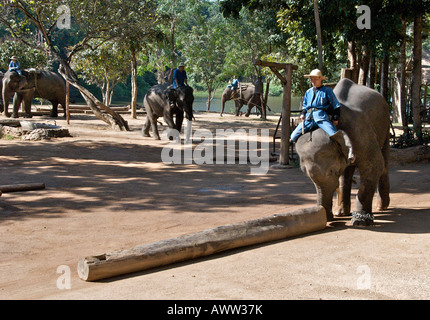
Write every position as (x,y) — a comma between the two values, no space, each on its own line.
(362,218)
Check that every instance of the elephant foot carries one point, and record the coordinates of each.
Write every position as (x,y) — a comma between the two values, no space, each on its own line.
(341,212)
(14,115)
(361,218)
(54,115)
(28,115)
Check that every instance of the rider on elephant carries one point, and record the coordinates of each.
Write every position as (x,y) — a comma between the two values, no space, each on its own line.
(234,84)
(14,65)
(179,76)
(321,101)
(179,80)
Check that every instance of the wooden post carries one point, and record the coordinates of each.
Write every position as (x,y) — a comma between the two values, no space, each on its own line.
(67,103)
(204,243)
(286,113)
(286,105)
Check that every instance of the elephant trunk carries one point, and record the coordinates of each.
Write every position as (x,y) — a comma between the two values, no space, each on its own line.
(325,199)
(222,105)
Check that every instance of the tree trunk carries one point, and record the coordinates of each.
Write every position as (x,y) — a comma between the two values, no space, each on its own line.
(417,78)
(203,243)
(384,76)
(372,73)
(402,82)
(133,84)
(352,58)
(319,40)
(364,66)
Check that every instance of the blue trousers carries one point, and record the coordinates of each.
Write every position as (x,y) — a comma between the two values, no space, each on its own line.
(310,125)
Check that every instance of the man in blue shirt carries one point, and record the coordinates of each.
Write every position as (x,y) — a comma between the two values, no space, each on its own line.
(321,101)
(234,83)
(180,77)
(14,65)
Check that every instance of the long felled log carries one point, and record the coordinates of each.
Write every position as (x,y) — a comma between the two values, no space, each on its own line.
(204,243)
(22,187)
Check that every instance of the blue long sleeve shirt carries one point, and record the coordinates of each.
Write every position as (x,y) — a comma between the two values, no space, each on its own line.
(323,100)
(180,76)
(14,65)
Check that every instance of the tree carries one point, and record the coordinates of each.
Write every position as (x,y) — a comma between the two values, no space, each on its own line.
(417,77)
(105,66)
(319,40)
(204,46)
(102,19)
(136,35)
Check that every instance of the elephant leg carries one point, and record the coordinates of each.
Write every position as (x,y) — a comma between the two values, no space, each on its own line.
(154,126)
(179,121)
(27,106)
(17,100)
(370,173)
(383,199)
(54,111)
(6,107)
(344,192)
(248,112)
(238,105)
(146,127)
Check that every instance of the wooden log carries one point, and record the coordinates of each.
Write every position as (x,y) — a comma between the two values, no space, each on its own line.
(22,187)
(204,243)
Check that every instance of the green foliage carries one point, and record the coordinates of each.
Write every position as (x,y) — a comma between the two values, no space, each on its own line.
(28,57)
(105,66)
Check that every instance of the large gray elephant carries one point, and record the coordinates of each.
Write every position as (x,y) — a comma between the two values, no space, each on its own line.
(245,97)
(164,101)
(33,84)
(365,118)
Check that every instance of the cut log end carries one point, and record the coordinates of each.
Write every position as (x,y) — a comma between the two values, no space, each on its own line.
(204,243)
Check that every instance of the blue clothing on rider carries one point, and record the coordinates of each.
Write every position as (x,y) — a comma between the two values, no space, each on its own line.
(179,77)
(320,101)
(234,84)
(15,65)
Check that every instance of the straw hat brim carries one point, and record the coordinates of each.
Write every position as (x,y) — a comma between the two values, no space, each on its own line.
(313,75)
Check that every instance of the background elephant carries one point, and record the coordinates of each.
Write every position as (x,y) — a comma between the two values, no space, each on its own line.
(33,84)
(164,101)
(365,119)
(246,98)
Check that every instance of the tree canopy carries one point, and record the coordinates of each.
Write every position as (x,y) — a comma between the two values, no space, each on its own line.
(216,39)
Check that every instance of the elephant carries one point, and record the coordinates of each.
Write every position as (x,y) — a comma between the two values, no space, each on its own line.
(246,97)
(33,84)
(365,119)
(164,101)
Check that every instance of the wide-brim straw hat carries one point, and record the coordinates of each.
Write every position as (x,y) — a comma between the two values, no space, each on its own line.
(13,58)
(181,64)
(316,73)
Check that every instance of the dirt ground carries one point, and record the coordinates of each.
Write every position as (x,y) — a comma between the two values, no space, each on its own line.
(108,190)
